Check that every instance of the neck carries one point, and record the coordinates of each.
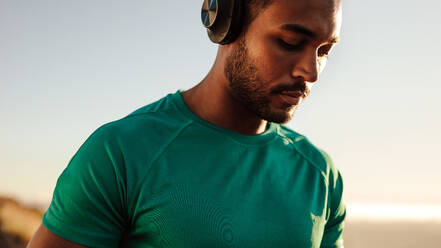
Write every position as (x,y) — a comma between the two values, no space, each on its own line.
(212,101)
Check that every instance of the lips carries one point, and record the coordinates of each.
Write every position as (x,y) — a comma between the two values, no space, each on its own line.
(291,97)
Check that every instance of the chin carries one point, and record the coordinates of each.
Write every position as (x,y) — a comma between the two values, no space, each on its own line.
(279,116)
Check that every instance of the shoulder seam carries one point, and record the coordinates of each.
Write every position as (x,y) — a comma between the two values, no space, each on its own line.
(294,139)
(323,173)
(161,151)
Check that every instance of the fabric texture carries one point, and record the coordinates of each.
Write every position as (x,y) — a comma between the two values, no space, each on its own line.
(163,177)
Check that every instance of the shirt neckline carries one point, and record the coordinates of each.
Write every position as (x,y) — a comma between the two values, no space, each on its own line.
(258,139)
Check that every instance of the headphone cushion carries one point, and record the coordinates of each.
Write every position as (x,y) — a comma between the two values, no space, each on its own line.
(223,19)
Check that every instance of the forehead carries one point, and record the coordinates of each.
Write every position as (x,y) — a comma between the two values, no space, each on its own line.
(322,17)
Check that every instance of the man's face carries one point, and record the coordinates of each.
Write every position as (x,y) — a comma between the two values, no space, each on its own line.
(273,65)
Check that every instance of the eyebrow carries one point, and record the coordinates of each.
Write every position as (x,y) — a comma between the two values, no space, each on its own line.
(296,28)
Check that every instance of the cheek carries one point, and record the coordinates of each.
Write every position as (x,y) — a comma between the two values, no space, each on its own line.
(272,65)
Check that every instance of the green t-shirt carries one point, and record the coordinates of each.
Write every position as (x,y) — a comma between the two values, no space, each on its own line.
(163,177)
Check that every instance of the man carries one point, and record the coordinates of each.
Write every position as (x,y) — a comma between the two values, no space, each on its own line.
(211,166)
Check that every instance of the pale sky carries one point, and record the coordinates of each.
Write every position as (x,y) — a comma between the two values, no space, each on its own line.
(67,67)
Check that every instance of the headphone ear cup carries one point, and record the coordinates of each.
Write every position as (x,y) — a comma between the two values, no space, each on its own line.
(223,19)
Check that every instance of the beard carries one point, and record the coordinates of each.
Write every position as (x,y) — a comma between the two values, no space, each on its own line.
(249,89)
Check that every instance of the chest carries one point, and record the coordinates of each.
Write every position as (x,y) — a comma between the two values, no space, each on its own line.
(228,201)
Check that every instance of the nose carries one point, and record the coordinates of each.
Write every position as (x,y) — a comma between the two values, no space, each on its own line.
(307,67)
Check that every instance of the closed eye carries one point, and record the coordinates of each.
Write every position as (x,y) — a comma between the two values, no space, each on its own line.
(290,47)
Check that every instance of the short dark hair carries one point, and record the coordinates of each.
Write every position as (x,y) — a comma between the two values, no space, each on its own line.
(252,8)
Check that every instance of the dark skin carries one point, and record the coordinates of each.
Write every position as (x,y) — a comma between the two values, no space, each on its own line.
(220,108)
(287,44)
(44,238)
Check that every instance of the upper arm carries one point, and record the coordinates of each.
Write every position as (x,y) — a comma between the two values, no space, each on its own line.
(88,205)
(44,238)
(333,233)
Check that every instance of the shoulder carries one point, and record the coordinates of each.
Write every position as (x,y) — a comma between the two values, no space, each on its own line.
(310,152)
(160,118)
(141,135)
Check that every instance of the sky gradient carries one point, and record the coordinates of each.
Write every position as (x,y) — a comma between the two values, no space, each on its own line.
(67,67)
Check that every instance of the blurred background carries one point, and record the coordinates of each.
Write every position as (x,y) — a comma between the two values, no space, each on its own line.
(67,67)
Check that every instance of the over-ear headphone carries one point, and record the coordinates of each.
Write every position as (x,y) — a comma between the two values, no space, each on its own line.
(223,19)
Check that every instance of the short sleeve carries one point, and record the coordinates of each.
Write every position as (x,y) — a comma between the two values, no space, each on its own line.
(333,234)
(87,207)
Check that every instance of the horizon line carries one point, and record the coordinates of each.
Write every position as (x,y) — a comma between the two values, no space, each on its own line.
(393,211)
